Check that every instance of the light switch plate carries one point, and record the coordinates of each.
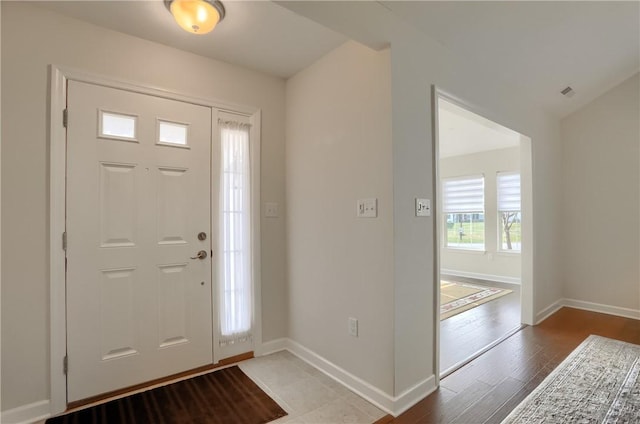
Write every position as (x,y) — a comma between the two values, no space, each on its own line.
(353,327)
(271,210)
(423,207)
(367,208)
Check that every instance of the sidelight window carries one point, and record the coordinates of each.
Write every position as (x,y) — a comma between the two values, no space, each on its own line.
(236,274)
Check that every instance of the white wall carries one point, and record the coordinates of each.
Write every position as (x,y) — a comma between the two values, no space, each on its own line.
(418,62)
(339,150)
(0,209)
(490,263)
(52,38)
(601,184)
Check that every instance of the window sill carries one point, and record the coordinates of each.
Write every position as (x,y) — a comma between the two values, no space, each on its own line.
(507,253)
(462,250)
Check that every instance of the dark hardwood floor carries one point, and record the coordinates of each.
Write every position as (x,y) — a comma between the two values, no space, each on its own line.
(489,387)
(462,335)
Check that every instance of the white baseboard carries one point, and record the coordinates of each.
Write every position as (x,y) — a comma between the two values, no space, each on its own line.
(587,306)
(548,311)
(389,404)
(413,395)
(272,346)
(478,276)
(605,309)
(27,414)
(374,395)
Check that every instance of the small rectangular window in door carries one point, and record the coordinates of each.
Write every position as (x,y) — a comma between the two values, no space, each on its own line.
(118,126)
(173,134)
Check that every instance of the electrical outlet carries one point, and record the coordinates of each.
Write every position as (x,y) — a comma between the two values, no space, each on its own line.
(271,210)
(353,327)
(367,208)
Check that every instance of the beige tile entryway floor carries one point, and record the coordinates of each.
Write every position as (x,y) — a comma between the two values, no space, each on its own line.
(305,393)
(308,395)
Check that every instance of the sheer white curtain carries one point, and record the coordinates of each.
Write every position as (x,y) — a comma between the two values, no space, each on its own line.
(235,288)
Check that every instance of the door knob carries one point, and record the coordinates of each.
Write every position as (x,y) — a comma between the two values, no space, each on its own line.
(200,255)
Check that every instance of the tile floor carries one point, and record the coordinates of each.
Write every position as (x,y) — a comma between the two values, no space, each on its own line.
(308,395)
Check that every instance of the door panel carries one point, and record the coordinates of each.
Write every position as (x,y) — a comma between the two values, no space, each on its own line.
(138,307)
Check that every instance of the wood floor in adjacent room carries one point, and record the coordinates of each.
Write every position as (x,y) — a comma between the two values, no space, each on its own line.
(462,335)
(488,388)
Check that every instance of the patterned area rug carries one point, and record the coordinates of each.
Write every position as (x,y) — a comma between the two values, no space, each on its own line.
(599,382)
(220,397)
(457,297)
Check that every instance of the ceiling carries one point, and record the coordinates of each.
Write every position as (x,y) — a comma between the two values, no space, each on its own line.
(541,46)
(538,47)
(462,132)
(258,35)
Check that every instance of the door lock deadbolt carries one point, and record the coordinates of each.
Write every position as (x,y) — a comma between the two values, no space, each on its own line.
(202,236)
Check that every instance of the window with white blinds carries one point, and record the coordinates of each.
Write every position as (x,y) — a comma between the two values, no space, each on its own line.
(463,212)
(235,287)
(463,194)
(509,216)
(508,191)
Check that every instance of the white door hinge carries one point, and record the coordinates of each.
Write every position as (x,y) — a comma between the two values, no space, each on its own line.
(64,241)
(65,118)
(65,364)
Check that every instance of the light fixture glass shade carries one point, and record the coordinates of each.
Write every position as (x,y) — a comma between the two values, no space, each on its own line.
(196,16)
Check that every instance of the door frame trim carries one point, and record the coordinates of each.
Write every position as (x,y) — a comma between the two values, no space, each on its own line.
(527,255)
(59,77)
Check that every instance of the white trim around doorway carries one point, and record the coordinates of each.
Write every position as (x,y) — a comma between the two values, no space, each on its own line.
(59,76)
(528,235)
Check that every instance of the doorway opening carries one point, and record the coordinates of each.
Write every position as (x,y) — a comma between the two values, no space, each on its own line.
(483,180)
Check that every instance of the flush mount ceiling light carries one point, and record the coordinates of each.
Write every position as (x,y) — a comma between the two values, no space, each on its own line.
(196,16)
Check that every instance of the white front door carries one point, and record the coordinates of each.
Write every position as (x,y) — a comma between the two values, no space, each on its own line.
(139,304)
